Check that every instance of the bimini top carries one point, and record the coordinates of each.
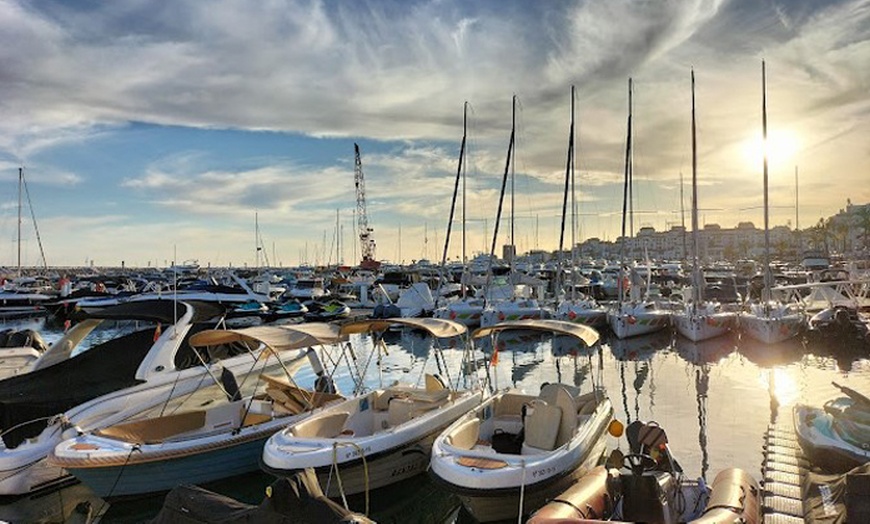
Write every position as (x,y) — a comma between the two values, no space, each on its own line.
(279,338)
(585,333)
(166,311)
(437,327)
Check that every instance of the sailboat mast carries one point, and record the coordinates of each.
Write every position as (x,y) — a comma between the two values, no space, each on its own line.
(797,224)
(464,169)
(696,269)
(453,206)
(683,217)
(573,194)
(513,178)
(568,166)
(20,184)
(501,198)
(625,197)
(767,282)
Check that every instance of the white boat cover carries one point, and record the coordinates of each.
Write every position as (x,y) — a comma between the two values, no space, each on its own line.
(279,338)
(585,333)
(437,327)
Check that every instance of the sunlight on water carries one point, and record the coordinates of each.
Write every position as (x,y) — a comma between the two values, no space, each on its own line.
(714,399)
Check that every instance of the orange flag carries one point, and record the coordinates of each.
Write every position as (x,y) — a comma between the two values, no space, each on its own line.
(494,361)
(157,332)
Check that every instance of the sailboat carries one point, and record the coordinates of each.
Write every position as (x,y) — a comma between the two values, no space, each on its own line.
(580,309)
(18,299)
(632,315)
(518,306)
(699,319)
(466,310)
(769,321)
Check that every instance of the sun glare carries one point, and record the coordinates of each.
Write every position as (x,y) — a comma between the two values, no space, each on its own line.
(781,385)
(781,147)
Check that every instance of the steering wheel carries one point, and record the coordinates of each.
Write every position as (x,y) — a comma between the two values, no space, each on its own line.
(639,462)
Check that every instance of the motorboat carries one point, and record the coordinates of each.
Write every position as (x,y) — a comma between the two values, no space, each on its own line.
(515,451)
(68,390)
(19,349)
(375,438)
(648,485)
(193,446)
(842,324)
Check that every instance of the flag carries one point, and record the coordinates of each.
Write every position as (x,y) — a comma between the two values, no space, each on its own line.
(157,332)
(494,361)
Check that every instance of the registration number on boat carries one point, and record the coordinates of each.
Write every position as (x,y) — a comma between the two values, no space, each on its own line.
(544,472)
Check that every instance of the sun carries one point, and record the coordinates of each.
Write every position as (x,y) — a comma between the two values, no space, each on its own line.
(782,145)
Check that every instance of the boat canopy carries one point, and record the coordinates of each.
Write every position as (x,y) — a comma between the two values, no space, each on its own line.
(437,327)
(585,333)
(279,338)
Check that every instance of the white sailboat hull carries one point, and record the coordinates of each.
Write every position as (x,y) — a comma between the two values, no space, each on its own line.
(771,329)
(627,324)
(700,326)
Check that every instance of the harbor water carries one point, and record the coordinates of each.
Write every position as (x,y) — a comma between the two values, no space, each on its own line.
(714,399)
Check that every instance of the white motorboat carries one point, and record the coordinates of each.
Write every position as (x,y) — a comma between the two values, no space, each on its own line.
(68,392)
(204,444)
(378,438)
(514,452)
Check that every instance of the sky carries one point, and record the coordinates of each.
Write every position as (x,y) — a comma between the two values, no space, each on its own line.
(159,131)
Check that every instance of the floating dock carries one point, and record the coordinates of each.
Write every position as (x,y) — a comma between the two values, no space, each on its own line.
(783,472)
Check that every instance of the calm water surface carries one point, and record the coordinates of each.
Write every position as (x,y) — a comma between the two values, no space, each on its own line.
(714,399)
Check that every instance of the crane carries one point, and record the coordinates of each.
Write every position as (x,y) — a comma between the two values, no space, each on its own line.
(366,239)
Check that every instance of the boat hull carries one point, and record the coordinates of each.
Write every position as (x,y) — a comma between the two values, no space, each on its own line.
(633,325)
(771,330)
(127,480)
(698,328)
(491,505)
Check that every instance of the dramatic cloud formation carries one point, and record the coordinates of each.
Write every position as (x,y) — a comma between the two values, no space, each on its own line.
(147,128)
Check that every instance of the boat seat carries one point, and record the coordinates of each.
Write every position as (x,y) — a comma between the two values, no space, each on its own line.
(511,404)
(465,436)
(542,425)
(155,430)
(558,395)
(402,410)
(326,426)
(434,383)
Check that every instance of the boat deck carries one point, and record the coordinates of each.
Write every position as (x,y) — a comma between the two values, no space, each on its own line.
(783,470)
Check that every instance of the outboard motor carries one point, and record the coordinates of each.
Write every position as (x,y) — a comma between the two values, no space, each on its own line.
(650,486)
(648,495)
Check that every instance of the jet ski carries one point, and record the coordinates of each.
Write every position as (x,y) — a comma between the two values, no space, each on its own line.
(835,437)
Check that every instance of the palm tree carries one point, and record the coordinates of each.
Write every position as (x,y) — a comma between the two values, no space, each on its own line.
(861,220)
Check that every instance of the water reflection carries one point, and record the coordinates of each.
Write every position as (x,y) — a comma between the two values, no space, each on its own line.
(715,399)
